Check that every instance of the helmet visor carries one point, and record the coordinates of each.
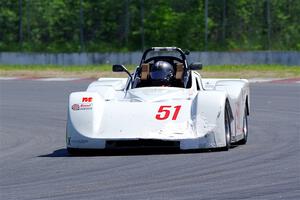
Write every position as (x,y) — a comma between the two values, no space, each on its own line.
(159,75)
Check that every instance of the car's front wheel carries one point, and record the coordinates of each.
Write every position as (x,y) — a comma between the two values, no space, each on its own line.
(73,151)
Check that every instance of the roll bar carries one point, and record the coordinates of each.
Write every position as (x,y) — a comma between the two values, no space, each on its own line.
(182,54)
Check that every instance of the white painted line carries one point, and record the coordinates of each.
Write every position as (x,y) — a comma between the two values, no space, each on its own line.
(263,80)
(8,78)
(57,79)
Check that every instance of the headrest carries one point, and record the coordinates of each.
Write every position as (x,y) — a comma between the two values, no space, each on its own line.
(179,70)
(145,71)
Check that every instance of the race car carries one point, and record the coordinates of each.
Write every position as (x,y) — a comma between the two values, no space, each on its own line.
(164,103)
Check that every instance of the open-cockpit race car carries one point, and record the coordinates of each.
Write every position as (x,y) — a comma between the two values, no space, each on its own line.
(164,103)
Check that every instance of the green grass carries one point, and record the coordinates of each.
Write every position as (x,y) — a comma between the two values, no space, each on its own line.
(71,68)
(105,67)
(254,71)
(241,71)
(229,68)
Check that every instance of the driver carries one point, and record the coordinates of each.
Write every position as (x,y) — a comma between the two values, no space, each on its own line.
(162,74)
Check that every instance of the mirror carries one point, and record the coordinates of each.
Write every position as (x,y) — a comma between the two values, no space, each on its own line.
(118,68)
(121,68)
(187,52)
(195,66)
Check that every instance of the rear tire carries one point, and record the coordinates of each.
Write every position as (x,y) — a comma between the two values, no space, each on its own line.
(245,128)
(227,125)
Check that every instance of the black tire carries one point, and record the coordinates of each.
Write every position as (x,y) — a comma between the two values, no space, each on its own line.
(227,125)
(245,128)
(73,151)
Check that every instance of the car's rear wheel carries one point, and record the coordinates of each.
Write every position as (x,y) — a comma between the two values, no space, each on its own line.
(227,129)
(245,128)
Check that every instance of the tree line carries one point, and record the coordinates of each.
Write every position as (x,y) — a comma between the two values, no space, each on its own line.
(133,25)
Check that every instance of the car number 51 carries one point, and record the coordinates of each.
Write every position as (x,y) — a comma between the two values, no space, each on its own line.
(164,112)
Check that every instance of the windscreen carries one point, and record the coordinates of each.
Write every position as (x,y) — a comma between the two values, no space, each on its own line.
(163,53)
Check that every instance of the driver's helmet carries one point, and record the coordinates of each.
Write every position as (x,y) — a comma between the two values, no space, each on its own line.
(162,73)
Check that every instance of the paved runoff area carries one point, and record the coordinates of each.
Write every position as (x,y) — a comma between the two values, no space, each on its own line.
(34,163)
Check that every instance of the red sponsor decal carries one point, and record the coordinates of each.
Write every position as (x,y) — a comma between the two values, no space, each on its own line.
(164,112)
(86,105)
(87,99)
(82,106)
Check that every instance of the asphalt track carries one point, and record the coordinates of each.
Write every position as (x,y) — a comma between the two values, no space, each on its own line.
(35,165)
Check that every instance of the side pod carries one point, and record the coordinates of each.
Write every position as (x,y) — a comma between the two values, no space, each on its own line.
(85,112)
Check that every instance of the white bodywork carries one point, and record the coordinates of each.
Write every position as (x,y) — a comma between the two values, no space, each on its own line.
(106,111)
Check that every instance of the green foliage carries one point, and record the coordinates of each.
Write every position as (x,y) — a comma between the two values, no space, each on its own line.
(116,25)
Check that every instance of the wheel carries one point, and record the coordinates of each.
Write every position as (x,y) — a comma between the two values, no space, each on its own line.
(73,151)
(227,130)
(245,128)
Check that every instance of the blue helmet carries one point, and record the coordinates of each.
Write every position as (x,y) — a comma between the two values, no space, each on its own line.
(162,73)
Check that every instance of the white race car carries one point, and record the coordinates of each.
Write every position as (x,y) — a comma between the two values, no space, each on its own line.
(164,103)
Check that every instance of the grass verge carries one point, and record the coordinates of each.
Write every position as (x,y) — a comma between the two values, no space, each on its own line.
(96,71)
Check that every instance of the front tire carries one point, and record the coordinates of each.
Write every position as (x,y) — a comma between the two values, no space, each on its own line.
(73,151)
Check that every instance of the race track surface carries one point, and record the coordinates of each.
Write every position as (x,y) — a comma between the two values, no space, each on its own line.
(35,165)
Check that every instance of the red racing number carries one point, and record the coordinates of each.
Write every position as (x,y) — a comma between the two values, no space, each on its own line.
(164,112)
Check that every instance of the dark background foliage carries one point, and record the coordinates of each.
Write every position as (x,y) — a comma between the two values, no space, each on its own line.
(132,25)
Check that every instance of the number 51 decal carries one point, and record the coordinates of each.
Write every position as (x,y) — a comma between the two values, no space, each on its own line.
(164,112)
